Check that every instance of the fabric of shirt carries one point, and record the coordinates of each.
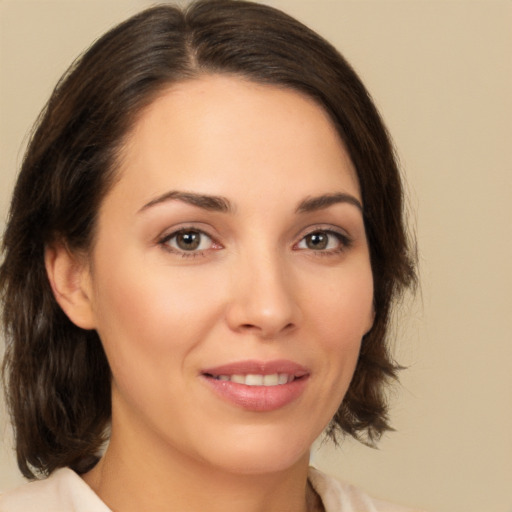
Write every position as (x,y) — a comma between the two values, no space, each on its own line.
(65,491)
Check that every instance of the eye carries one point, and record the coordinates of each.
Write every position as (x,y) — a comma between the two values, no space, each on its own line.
(188,241)
(324,240)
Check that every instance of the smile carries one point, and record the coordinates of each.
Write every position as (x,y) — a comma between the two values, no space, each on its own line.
(251,379)
(258,386)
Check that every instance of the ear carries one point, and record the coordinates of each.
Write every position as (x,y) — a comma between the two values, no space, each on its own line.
(69,278)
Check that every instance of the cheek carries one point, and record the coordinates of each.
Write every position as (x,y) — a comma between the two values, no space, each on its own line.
(150,318)
(344,307)
(343,314)
(340,317)
(140,296)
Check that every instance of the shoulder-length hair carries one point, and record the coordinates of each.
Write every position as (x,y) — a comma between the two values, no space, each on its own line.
(57,376)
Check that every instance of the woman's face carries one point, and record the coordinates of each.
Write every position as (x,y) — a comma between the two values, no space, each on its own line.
(230,282)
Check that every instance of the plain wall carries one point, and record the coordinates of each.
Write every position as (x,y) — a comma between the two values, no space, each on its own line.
(441,73)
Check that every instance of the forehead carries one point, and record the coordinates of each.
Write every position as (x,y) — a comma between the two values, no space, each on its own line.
(215,130)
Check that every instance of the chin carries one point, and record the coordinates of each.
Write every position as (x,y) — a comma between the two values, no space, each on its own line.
(253,453)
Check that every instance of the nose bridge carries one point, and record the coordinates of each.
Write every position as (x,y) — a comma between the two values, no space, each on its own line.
(263,298)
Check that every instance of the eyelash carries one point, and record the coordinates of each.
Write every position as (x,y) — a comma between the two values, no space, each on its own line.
(344,242)
(164,242)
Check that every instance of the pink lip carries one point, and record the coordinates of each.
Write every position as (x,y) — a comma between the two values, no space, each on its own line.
(258,367)
(258,398)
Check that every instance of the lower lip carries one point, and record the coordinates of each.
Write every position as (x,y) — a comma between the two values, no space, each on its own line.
(258,398)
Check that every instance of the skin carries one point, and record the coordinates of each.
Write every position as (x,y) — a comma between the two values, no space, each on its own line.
(256,288)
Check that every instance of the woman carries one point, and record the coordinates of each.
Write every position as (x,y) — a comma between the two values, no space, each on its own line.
(204,245)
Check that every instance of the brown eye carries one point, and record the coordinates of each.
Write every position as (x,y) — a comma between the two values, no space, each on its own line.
(326,241)
(188,241)
(317,241)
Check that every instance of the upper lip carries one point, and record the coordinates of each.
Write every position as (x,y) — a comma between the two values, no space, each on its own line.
(258,368)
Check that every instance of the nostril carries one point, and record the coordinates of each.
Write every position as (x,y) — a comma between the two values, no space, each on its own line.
(266,331)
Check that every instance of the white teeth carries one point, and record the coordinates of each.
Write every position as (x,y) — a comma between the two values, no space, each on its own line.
(254,380)
(271,380)
(283,378)
(251,379)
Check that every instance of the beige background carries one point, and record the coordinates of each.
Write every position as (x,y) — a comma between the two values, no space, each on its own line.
(441,72)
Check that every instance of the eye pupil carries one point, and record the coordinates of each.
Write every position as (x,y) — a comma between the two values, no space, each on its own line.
(188,240)
(317,241)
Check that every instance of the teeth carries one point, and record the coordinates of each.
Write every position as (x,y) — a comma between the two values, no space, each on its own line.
(254,380)
(271,380)
(251,379)
(283,378)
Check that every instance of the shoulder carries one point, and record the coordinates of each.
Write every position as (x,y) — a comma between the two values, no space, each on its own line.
(63,491)
(338,496)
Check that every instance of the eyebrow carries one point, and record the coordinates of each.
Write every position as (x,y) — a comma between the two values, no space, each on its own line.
(312,204)
(223,205)
(204,201)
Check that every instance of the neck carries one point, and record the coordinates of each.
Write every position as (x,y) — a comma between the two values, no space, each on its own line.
(137,476)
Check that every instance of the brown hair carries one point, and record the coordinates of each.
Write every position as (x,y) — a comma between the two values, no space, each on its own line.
(57,376)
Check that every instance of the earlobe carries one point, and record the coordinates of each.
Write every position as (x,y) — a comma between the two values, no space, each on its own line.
(70,281)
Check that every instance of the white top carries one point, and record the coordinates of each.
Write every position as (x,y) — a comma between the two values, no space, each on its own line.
(65,491)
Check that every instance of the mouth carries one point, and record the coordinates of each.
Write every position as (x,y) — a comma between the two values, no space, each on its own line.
(254,379)
(258,386)
(258,373)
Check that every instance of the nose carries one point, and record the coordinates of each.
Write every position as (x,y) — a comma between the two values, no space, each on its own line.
(263,298)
